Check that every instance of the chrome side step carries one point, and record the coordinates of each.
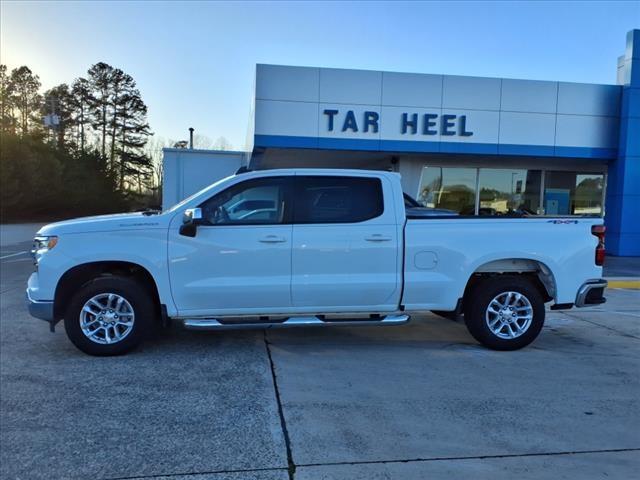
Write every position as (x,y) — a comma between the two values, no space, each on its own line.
(310,321)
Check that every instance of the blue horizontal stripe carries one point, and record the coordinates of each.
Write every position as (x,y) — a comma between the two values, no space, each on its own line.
(348,143)
(537,150)
(586,152)
(406,146)
(285,141)
(468,147)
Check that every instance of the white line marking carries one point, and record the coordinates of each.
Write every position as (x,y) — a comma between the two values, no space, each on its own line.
(12,255)
(617,312)
(27,259)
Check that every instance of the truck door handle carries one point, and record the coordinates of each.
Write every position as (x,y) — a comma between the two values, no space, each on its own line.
(376,237)
(273,239)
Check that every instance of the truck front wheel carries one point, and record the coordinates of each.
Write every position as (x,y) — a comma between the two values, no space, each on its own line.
(504,312)
(109,316)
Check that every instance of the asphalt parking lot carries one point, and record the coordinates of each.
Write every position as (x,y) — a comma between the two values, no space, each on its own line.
(417,401)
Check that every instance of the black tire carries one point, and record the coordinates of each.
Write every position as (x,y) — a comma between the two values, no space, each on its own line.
(478,301)
(138,297)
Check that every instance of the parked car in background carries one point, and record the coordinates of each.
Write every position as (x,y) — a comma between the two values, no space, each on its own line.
(414,209)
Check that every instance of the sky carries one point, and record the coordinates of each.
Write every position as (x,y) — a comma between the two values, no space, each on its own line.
(194,62)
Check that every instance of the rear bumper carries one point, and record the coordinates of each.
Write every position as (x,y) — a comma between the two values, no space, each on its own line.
(591,293)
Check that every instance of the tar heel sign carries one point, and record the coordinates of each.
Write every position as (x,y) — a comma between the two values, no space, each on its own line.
(407,123)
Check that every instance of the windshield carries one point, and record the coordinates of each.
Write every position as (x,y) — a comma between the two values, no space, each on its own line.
(182,203)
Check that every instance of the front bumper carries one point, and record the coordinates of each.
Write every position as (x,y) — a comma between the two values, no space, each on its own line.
(591,293)
(40,309)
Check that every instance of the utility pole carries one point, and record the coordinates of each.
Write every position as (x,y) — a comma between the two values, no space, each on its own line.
(52,121)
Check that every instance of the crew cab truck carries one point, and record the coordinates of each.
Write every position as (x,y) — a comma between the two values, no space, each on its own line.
(307,247)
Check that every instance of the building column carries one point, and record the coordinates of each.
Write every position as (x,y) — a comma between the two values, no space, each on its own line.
(623,186)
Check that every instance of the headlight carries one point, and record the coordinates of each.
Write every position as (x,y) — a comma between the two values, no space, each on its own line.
(42,244)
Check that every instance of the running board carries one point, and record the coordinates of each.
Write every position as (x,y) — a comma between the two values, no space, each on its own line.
(313,321)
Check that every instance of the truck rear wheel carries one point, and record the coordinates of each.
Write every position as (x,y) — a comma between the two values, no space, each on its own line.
(109,316)
(504,312)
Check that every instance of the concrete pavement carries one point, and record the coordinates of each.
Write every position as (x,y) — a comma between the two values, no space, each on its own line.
(417,401)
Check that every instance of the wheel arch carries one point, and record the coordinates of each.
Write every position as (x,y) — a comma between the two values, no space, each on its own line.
(534,269)
(76,277)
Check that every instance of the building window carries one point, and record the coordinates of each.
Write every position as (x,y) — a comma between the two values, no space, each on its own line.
(495,191)
(570,193)
(448,188)
(508,192)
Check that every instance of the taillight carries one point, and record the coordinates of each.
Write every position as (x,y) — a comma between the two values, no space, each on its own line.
(598,231)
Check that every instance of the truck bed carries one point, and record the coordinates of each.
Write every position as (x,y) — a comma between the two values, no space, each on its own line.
(441,254)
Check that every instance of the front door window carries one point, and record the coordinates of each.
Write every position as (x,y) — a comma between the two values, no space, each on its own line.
(254,202)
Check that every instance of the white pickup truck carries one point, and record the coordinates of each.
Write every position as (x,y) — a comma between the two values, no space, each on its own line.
(306,247)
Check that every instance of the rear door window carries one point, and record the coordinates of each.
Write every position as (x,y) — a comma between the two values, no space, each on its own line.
(333,199)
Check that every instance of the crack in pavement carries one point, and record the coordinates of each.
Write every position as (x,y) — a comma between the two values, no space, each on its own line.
(380,462)
(474,457)
(291,464)
(624,334)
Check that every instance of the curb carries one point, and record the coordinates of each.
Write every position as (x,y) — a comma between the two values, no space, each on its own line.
(622,282)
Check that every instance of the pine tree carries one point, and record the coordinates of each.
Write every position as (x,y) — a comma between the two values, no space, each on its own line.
(7,121)
(25,97)
(121,87)
(119,116)
(133,135)
(81,100)
(100,85)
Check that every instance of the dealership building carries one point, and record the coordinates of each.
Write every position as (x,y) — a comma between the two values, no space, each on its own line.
(479,146)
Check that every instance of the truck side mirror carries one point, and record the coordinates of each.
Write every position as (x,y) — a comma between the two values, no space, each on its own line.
(191,218)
